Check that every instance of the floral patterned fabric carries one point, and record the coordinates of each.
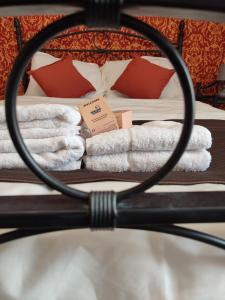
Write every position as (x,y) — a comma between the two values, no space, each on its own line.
(203,46)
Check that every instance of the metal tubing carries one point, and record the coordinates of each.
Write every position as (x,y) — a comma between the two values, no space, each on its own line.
(145,209)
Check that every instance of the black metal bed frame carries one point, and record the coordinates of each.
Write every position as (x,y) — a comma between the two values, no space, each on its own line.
(38,214)
(96,50)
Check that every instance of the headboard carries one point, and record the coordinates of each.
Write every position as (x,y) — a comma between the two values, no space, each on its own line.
(110,50)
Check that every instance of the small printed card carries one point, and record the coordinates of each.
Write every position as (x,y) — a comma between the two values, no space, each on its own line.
(98,116)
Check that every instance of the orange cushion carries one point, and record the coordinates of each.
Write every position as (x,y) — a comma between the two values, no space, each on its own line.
(142,79)
(61,79)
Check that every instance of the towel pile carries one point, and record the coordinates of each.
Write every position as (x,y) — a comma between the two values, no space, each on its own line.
(51,133)
(147,148)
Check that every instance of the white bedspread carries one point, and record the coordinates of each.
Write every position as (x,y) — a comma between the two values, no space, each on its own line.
(118,265)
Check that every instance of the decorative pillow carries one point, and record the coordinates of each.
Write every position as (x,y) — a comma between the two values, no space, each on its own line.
(61,79)
(90,71)
(112,70)
(143,79)
(173,89)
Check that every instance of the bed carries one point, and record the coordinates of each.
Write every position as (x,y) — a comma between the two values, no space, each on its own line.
(126,269)
(122,264)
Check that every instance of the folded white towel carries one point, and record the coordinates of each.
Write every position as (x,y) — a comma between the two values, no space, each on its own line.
(198,160)
(43,116)
(151,136)
(52,144)
(63,160)
(51,134)
(42,133)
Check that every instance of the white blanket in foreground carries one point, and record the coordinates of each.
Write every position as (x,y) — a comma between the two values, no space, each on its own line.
(120,265)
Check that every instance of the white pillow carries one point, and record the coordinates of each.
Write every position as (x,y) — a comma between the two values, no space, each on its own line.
(112,70)
(90,71)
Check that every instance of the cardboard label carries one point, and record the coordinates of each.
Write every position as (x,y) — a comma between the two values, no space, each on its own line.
(98,116)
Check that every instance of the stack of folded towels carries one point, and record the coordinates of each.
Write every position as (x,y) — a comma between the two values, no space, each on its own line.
(146,148)
(51,133)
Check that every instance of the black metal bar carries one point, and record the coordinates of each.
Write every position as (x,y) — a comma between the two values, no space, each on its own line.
(180,38)
(22,233)
(19,39)
(105,31)
(103,13)
(186,233)
(178,44)
(60,36)
(168,229)
(101,51)
(126,217)
(147,208)
(216,5)
(18,32)
(110,31)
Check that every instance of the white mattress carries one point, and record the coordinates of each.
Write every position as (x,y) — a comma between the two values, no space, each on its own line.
(119,265)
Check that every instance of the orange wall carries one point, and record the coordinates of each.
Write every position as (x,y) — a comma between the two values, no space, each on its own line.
(203,48)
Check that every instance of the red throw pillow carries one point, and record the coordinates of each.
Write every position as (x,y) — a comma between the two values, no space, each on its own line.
(142,79)
(61,79)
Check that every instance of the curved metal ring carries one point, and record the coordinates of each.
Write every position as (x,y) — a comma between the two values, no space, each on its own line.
(23,60)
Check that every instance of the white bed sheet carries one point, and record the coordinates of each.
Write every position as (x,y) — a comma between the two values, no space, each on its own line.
(119,265)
